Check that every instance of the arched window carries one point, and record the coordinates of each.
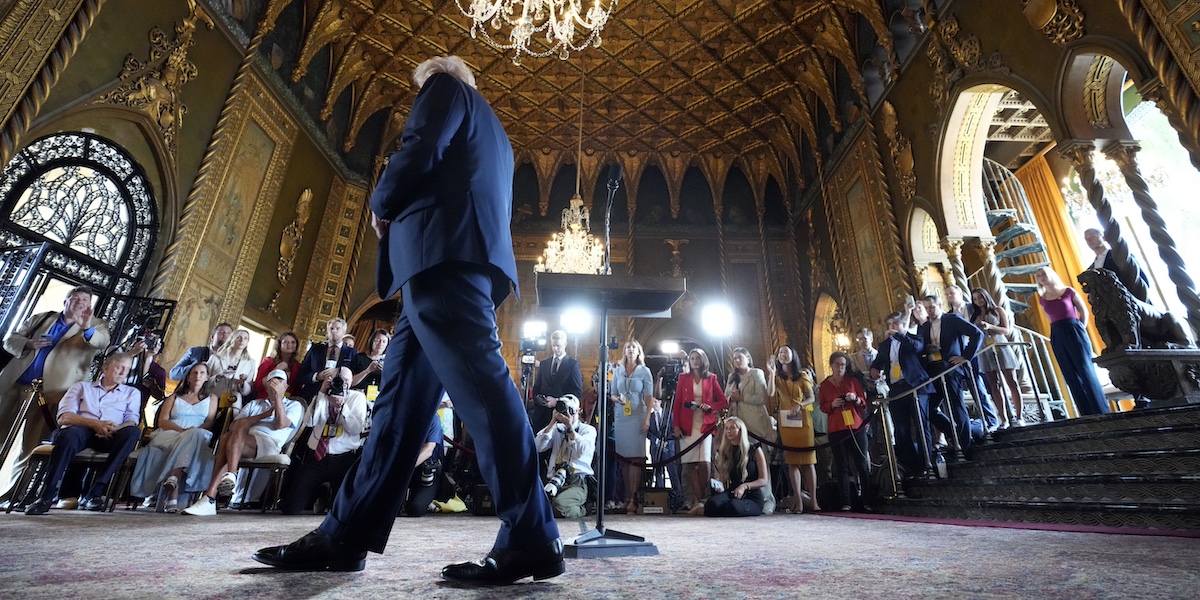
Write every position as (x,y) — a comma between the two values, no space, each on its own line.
(90,202)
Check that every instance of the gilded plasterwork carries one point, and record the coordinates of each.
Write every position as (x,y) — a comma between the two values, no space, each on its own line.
(220,251)
(865,242)
(293,234)
(1060,20)
(1095,99)
(964,169)
(952,55)
(328,272)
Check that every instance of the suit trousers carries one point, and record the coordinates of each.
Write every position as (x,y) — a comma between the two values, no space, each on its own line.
(952,386)
(908,428)
(850,454)
(69,441)
(445,338)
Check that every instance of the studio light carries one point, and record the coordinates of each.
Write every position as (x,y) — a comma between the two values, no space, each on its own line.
(669,347)
(717,319)
(577,321)
(533,337)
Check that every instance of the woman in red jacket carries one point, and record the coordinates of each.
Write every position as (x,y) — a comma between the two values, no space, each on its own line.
(699,399)
(843,399)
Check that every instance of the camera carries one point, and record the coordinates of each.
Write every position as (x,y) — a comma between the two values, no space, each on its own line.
(692,405)
(557,480)
(428,471)
(337,386)
(670,375)
(562,407)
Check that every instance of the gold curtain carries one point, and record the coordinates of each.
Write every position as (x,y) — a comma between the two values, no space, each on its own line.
(1061,244)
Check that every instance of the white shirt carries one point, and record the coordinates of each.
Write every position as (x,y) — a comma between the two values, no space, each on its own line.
(351,422)
(293,409)
(894,356)
(578,452)
(1100,258)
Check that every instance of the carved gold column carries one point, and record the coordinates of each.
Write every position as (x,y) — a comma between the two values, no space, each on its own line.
(1080,155)
(1125,155)
(33,23)
(992,276)
(768,287)
(953,249)
(922,280)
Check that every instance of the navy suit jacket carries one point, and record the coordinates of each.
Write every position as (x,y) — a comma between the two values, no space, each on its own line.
(959,338)
(1111,264)
(314,362)
(448,190)
(568,380)
(912,371)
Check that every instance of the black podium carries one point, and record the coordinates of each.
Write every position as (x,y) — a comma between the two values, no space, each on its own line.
(619,296)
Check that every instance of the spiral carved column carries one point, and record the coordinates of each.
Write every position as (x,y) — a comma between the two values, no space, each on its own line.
(1125,155)
(1173,94)
(167,267)
(632,211)
(773,319)
(958,273)
(991,273)
(39,89)
(1080,155)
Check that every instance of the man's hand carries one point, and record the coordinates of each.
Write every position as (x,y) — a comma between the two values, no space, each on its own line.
(337,401)
(104,429)
(735,395)
(551,401)
(957,360)
(85,318)
(875,373)
(379,225)
(37,343)
(276,389)
(327,374)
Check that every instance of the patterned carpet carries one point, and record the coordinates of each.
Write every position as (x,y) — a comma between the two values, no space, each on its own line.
(70,554)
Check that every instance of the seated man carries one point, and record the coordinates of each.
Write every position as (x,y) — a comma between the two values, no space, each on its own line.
(261,428)
(339,418)
(102,415)
(571,444)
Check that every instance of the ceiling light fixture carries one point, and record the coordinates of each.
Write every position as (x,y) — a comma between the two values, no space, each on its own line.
(559,19)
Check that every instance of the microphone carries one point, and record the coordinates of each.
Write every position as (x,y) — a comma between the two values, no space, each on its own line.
(614,174)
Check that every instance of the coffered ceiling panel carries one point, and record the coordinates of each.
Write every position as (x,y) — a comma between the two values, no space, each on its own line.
(689,77)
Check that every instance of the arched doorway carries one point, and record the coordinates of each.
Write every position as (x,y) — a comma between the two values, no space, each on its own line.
(88,203)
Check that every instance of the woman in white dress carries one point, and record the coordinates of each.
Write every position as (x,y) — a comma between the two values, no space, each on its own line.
(178,457)
(633,400)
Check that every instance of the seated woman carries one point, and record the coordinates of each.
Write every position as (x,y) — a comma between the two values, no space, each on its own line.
(178,457)
(743,472)
(286,358)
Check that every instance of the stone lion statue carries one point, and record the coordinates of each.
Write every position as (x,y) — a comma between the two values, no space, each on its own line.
(1126,322)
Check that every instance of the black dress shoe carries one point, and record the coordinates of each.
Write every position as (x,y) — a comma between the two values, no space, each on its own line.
(314,552)
(505,567)
(40,507)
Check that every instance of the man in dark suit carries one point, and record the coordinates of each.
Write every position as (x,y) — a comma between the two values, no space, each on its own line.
(1134,278)
(950,341)
(557,376)
(442,209)
(898,361)
(324,359)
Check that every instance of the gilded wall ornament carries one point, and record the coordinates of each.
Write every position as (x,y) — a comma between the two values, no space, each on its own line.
(900,149)
(953,56)
(1095,98)
(1060,20)
(293,234)
(153,87)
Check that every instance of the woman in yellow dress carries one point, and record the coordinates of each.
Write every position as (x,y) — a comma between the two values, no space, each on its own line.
(792,393)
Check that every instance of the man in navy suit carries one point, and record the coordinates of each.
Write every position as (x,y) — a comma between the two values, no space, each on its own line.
(557,376)
(898,360)
(950,341)
(325,359)
(442,209)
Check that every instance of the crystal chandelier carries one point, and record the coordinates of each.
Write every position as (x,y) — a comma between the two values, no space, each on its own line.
(526,18)
(574,249)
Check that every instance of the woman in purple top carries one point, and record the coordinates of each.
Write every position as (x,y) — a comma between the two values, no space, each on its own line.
(1068,337)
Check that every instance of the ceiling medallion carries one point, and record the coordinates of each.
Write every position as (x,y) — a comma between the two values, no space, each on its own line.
(526,18)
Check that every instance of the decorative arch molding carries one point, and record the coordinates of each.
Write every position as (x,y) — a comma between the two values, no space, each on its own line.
(1090,87)
(91,200)
(960,150)
(161,168)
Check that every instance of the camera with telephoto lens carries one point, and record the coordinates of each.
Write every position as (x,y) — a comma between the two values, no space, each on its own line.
(428,470)
(557,481)
(692,405)
(564,408)
(670,375)
(337,386)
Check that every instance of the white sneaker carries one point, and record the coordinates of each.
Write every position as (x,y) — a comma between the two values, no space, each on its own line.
(228,481)
(204,507)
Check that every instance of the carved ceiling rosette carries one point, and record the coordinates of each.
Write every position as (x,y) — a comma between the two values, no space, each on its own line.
(1060,20)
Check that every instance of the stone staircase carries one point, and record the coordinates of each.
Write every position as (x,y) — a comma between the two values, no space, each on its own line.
(1136,469)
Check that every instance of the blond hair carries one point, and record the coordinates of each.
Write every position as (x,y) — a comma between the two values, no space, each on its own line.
(1052,279)
(730,456)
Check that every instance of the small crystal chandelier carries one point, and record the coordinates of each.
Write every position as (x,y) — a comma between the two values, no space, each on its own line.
(525,18)
(574,249)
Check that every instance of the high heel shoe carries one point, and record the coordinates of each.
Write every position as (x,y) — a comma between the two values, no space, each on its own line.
(631,508)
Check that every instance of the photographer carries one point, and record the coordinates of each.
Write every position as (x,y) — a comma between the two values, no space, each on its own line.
(571,446)
(338,417)
(842,398)
(422,486)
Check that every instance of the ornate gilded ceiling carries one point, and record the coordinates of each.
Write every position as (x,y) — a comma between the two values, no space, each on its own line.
(676,82)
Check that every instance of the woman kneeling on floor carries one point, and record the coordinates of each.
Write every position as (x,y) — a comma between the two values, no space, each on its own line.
(743,472)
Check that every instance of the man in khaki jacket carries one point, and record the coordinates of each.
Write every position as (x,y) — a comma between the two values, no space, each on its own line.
(57,348)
